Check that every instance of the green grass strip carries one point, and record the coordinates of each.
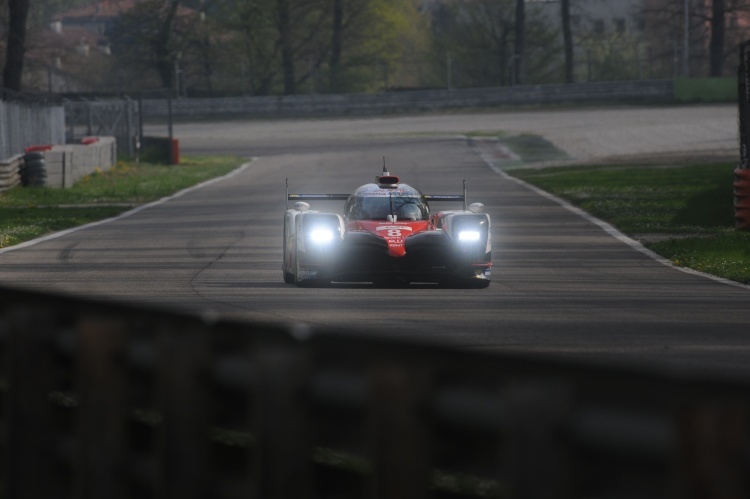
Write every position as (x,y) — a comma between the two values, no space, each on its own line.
(691,207)
(30,212)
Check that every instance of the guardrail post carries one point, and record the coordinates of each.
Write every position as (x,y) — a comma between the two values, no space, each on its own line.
(285,448)
(102,409)
(538,461)
(714,453)
(399,433)
(185,403)
(30,456)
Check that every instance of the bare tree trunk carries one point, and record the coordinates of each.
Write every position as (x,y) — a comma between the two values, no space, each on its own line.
(165,58)
(336,44)
(18,11)
(287,53)
(567,40)
(718,31)
(519,42)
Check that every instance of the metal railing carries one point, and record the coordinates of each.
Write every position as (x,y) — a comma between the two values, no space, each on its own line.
(410,101)
(109,117)
(29,120)
(105,400)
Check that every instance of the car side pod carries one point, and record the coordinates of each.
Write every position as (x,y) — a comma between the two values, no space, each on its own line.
(471,239)
(317,241)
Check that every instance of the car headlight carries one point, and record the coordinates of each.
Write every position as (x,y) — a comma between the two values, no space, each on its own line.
(469,236)
(321,235)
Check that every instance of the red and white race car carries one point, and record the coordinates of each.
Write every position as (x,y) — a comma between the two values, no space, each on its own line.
(386,235)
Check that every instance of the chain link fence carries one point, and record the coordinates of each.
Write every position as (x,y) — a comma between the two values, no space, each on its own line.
(111,118)
(743,114)
(741,185)
(29,120)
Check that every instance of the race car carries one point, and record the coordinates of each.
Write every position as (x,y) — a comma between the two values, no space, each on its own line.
(387,235)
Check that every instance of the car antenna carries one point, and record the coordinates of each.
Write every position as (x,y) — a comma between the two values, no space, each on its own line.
(385,171)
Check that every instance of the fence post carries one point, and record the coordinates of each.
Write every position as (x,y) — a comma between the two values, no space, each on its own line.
(31,461)
(713,453)
(102,409)
(285,449)
(538,463)
(398,440)
(184,401)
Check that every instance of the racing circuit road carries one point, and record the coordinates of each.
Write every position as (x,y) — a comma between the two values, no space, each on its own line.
(561,285)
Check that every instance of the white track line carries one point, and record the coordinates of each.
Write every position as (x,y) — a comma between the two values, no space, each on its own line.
(609,229)
(129,213)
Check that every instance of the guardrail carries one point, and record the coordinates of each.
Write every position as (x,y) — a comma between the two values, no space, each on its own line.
(106,400)
(414,100)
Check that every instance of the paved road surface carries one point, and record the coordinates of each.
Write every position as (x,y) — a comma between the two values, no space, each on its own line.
(561,286)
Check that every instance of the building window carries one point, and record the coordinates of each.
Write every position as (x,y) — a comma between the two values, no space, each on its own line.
(620,25)
(599,26)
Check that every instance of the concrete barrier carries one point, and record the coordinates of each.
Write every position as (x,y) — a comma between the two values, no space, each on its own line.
(69,163)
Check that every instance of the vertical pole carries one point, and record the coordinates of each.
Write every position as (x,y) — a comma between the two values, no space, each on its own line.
(449,71)
(185,405)
(139,144)
(90,122)
(399,436)
(742,106)
(29,457)
(686,40)
(102,410)
(285,445)
(172,158)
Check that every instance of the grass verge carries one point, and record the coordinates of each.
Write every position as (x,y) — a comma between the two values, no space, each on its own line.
(683,213)
(30,212)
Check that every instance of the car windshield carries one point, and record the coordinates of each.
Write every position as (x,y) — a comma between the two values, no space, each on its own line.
(379,207)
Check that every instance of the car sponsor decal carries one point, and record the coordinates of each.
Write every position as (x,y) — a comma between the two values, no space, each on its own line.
(394,227)
(390,192)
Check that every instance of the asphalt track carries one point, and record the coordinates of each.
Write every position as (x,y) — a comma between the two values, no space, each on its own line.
(562,285)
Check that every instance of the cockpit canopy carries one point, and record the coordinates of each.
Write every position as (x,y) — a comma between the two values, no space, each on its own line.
(371,202)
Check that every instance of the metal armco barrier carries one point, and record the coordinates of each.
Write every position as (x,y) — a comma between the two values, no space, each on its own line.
(100,400)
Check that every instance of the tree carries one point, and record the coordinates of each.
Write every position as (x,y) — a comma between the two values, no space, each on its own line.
(337,40)
(153,35)
(279,39)
(294,46)
(18,12)
(715,28)
(567,41)
(483,38)
(518,48)
(285,42)
(716,46)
